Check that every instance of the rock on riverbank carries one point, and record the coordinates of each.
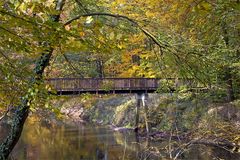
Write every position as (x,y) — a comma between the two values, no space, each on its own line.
(119,110)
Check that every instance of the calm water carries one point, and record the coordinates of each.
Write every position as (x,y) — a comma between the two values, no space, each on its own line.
(51,141)
(43,141)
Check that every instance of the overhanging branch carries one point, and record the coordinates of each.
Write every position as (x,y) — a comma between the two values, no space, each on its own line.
(100,14)
(147,33)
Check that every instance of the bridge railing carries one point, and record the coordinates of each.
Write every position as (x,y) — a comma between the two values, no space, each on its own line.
(97,84)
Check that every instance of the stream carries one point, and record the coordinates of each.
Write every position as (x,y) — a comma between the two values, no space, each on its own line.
(44,140)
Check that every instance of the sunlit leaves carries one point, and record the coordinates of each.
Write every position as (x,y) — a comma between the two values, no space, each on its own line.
(190,32)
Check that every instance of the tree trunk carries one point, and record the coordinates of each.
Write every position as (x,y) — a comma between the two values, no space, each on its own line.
(229,82)
(22,111)
(99,66)
(20,116)
(227,70)
(230,92)
(137,114)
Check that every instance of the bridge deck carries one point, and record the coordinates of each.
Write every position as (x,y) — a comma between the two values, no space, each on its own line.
(66,86)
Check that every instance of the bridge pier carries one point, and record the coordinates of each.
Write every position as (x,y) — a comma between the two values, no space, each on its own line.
(141,97)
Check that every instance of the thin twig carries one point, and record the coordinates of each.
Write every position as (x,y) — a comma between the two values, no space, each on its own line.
(69,62)
(6,112)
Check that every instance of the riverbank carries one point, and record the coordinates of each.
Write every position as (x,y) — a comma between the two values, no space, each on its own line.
(192,119)
(163,110)
(179,121)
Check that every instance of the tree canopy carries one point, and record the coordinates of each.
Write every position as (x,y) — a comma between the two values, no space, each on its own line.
(43,39)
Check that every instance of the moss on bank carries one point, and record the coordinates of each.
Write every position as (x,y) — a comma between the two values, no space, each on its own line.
(166,111)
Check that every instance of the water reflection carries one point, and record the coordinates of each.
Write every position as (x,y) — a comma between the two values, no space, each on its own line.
(42,140)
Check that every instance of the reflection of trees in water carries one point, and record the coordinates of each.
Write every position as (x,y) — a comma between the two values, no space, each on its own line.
(31,152)
(146,149)
(100,154)
(220,153)
(51,141)
(41,140)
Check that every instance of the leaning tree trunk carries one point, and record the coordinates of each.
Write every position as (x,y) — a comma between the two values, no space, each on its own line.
(22,110)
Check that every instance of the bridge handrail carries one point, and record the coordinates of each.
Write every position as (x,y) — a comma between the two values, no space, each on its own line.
(103,83)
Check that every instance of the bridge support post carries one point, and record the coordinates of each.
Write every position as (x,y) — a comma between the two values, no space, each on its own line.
(137,113)
(142,97)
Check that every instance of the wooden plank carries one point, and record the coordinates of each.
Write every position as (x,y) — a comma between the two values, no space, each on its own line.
(101,84)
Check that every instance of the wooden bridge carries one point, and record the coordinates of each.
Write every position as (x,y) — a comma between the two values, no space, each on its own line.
(69,86)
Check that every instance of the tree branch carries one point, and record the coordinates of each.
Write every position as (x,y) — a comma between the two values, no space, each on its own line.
(6,112)
(22,110)
(14,34)
(71,65)
(9,108)
(100,14)
(147,33)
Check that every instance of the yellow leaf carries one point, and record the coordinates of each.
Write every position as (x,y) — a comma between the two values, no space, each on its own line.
(111,36)
(120,46)
(82,34)
(67,27)
(149,14)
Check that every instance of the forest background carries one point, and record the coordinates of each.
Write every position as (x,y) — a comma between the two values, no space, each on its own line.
(184,39)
